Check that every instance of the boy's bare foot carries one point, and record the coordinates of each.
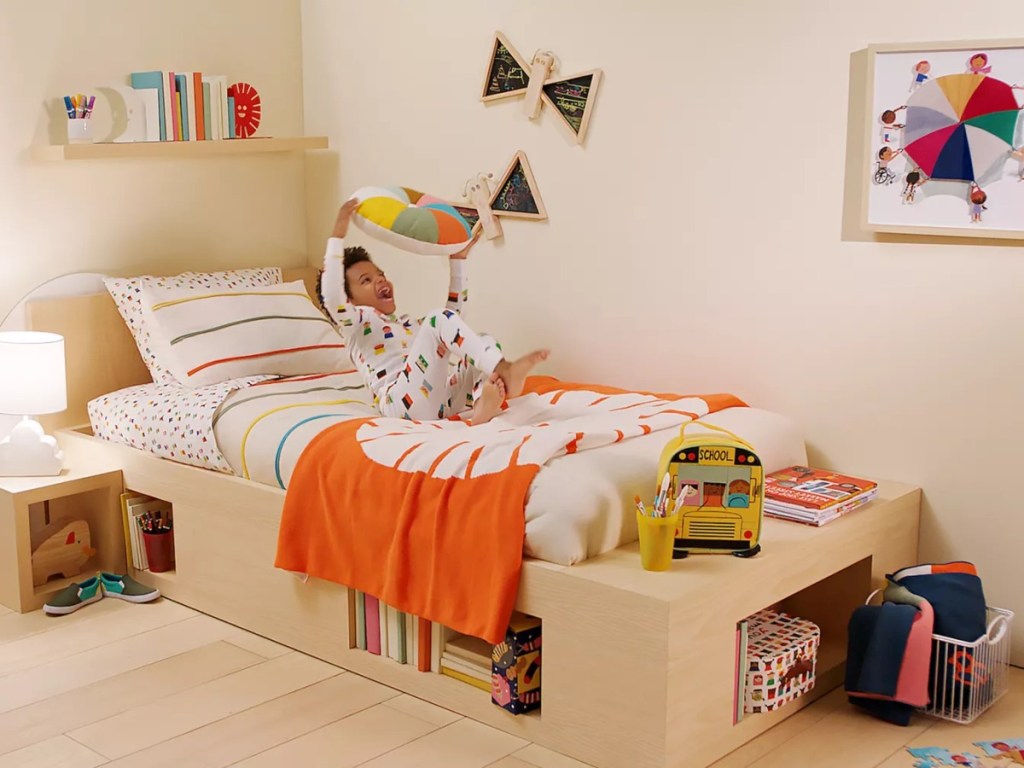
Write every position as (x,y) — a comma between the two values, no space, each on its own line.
(488,405)
(514,373)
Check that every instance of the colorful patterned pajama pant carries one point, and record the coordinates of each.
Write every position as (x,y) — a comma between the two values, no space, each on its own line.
(428,388)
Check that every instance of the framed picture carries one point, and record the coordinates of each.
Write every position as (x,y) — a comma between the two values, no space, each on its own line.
(944,146)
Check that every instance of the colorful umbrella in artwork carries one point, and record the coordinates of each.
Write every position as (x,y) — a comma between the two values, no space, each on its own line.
(959,126)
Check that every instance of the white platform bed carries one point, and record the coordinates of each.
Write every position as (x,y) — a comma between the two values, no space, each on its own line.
(637,666)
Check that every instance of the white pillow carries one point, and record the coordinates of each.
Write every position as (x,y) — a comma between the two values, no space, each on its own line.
(204,336)
(126,292)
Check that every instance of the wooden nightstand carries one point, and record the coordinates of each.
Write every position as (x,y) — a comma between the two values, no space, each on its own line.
(30,504)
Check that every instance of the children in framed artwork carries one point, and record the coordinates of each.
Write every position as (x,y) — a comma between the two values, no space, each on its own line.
(955,129)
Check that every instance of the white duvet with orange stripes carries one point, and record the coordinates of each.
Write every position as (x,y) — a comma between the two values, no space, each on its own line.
(263,429)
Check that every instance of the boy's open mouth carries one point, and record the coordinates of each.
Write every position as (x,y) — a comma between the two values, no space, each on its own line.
(384,292)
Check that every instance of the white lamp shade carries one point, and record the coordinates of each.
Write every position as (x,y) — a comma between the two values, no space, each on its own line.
(32,376)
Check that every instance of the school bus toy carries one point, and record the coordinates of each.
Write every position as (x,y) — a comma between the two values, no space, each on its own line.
(716,482)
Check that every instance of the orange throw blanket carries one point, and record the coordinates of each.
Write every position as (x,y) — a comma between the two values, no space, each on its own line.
(429,516)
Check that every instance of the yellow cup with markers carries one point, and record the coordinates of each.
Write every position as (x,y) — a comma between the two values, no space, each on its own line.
(657,535)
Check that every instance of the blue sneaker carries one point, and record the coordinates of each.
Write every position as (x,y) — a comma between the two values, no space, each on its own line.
(73,597)
(127,588)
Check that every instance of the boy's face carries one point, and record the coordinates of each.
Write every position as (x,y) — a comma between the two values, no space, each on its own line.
(370,288)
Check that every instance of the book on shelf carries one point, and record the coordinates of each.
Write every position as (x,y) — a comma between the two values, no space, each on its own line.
(464,678)
(361,621)
(814,495)
(740,671)
(472,670)
(471,650)
(372,622)
(135,508)
(151,84)
(424,637)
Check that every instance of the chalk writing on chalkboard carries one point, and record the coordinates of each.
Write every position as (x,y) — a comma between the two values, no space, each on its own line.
(570,98)
(507,74)
(515,195)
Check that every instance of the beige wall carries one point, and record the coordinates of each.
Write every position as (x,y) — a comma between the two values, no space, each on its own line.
(702,239)
(140,215)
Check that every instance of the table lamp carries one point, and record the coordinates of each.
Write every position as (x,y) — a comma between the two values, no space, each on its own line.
(32,382)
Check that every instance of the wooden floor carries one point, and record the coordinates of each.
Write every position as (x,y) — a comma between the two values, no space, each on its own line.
(153,685)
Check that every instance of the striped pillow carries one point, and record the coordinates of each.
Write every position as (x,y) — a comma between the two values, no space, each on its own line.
(206,336)
(126,292)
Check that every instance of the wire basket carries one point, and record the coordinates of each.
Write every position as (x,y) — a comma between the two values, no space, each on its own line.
(966,678)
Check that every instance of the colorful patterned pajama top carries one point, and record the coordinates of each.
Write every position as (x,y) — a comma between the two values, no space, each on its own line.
(405,362)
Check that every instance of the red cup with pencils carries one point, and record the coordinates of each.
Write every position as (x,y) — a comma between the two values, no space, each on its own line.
(159,549)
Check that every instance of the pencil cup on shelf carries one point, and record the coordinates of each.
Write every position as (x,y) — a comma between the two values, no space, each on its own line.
(159,550)
(657,535)
(80,131)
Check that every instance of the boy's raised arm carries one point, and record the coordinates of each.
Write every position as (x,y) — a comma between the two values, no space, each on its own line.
(458,293)
(332,284)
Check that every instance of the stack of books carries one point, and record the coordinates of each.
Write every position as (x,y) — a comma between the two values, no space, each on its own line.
(814,496)
(468,659)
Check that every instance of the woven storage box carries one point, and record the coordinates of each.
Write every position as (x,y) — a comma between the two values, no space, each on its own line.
(782,653)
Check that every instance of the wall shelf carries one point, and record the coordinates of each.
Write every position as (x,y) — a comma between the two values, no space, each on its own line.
(177,149)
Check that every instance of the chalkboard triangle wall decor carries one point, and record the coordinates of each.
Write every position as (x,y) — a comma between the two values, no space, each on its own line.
(515,194)
(570,98)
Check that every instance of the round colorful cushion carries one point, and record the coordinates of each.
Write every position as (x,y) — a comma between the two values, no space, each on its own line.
(411,220)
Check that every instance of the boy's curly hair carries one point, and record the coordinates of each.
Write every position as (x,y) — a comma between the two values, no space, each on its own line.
(353,255)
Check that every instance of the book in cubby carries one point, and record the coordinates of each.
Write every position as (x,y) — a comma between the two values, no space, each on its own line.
(814,496)
(389,633)
(468,659)
(142,515)
(509,671)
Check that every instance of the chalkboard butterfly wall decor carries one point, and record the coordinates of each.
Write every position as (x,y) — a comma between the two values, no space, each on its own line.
(570,98)
(515,194)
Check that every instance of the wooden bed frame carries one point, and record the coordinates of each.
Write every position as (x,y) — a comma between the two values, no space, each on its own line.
(637,666)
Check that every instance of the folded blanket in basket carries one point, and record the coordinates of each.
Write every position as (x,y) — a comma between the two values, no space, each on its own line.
(428,516)
(888,656)
(955,592)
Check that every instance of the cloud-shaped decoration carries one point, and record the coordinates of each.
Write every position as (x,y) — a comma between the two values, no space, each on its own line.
(28,451)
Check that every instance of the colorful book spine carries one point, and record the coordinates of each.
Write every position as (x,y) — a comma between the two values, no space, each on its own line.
(423,642)
(183,117)
(360,621)
(207,122)
(372,621)
(466,679)
(171,108)
(198,122)
(401,642)
(231,116)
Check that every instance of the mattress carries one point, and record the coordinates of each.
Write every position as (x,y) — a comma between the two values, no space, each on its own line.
(578,506)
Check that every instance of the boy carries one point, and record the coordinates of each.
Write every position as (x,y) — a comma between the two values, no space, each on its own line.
(405,361)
